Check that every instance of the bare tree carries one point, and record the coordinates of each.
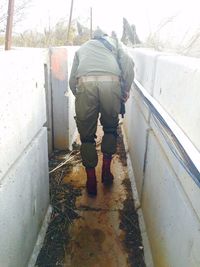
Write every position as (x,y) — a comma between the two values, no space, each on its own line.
(129,36)
(19,12)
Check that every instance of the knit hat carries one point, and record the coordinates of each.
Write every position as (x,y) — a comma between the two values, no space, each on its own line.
(98,33)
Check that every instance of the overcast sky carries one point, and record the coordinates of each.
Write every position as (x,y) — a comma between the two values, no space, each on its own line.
(108,14)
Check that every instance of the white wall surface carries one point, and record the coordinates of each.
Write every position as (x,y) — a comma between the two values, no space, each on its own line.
(145,66)
(171,221)
(58,59)
(24,185)
(176,88)
(24,199)
(22,102)
(62,99)
(136,127)
(72,123)
(169,196)
(48,93)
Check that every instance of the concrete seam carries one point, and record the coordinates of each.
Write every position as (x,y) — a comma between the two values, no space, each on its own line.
(51,95)
(131,172)
(147,249)
(48,99)
(138,106)
(68,126)
(154,74)
(145,155)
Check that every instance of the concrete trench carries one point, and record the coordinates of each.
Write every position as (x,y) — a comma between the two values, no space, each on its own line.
(159,172)
(103,234)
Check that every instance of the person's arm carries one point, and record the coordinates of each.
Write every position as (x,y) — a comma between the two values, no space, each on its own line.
(127,68)
(73,78)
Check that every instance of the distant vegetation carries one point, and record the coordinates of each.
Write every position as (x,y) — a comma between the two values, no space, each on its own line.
(189,44)
(57,35)
(52,36)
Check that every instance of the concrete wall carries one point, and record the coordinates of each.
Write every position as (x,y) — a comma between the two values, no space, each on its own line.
(24,196)
(145,66)
(72,124)
(169,196)
(176,88)
(48,93)
(62,99)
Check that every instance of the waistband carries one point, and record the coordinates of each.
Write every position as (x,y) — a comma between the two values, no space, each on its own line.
(107,78)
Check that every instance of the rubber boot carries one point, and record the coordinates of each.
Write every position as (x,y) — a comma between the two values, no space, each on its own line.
(107,177)
(91,184)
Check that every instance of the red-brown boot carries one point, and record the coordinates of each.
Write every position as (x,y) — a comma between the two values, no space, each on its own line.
(107,177)
(91,184)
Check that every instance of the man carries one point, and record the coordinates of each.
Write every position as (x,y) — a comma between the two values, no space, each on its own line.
(98,67)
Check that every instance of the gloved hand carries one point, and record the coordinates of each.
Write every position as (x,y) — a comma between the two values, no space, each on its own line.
(125,96)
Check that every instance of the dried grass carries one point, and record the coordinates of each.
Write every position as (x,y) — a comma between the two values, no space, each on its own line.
(164,40)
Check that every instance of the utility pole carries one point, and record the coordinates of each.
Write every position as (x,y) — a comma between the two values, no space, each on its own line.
(91,23)
(70,19)
(9,25)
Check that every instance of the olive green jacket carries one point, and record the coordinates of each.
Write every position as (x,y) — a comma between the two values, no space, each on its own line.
(93,58)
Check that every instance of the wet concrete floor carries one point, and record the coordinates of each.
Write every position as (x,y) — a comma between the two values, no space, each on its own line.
(84,231)
(96,238)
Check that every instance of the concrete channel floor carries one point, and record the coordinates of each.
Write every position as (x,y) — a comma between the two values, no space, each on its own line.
(96,237)
(84,231)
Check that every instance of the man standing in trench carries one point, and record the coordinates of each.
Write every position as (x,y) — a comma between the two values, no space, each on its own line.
(98,68)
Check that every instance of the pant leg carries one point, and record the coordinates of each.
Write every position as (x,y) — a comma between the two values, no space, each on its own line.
(87,111)
(110,103)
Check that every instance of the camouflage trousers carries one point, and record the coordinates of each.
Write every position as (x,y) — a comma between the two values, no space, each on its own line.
(94,98)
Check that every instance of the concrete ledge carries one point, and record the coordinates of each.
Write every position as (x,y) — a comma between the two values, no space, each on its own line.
(177,90)
(24,198)
(145,66)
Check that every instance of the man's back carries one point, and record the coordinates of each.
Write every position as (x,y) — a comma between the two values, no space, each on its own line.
(96,59)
